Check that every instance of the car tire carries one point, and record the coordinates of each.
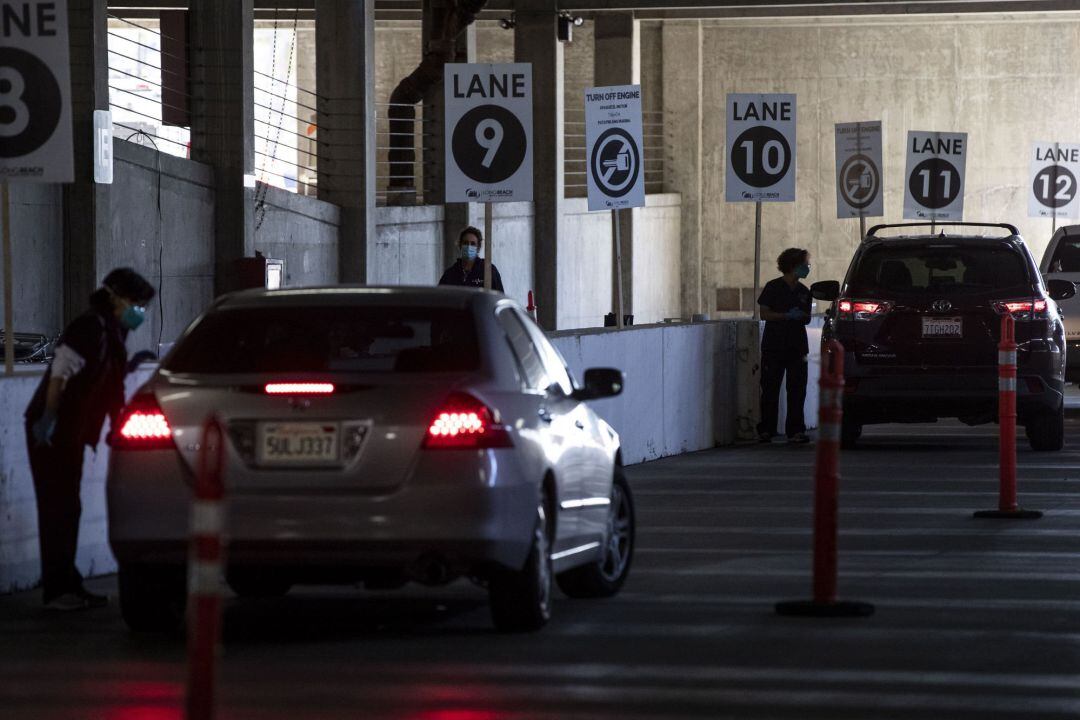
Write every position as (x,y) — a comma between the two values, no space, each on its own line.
(850,432)
(521,600)
(152,598)
(605,576)
(253,584)
(1046,430)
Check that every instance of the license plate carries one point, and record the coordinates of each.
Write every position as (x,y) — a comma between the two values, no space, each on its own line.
(286,444)
(938,327)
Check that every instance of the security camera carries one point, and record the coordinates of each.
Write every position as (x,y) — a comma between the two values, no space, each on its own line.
(507,23)
(566,26)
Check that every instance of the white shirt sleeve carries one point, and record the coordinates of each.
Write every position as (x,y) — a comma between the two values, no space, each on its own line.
(66,363)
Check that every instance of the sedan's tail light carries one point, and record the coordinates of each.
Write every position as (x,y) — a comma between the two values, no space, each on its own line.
(1022,309)
(465,423)
(862,309)
(142,426)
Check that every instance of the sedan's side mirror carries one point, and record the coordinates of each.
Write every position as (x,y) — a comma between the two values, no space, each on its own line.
(1061,289)
(825,290)
(600,383)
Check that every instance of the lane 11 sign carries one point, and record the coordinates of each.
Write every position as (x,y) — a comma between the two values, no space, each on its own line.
(35,92)
(613,148)
(858,170)
(760,147)
(1055,168)
(934,187)
(488,131)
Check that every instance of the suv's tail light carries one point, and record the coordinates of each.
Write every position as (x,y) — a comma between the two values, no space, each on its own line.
(848,309)
(464,423)
(299,388)
(142,426)
(1022,309)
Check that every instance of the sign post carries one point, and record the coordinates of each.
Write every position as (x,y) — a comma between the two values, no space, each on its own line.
(35,122)
(616,176)
(936,163)
(1054,171)
(859,190)
(488,130)
(761,157)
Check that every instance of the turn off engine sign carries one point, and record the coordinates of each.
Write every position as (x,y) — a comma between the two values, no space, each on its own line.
(35,92)
(616,175)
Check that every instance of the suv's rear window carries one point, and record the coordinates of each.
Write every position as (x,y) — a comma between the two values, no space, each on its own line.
(358,339)
(938,269)
(1066,256)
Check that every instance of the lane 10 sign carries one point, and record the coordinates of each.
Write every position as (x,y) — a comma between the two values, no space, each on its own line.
(858,170)
(613,149)
(488,128)
(1055,168)
(934,187)
(35,92)
(760,147)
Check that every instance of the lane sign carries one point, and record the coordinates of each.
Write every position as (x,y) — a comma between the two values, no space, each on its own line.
(35,92)
(1055,168)
(858,170)
(760,147)
(936,162)
(613,147)
(489,132)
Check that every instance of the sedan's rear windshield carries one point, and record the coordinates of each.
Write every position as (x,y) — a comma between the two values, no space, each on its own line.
(940,270)
(359,339)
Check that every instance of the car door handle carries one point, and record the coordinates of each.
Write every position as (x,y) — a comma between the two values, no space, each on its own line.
(545,415)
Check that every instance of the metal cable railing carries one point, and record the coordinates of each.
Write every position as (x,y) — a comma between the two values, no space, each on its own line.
(392,186)
(576,164)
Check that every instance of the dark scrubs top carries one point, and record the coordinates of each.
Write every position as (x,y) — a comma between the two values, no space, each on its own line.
(785,336)
(456,275)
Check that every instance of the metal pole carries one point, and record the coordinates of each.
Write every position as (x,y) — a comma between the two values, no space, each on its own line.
(862,226)
(757,258)
(490,250)
(616,226)
(9,291)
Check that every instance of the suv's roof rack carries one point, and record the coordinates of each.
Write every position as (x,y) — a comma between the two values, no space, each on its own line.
(872,232)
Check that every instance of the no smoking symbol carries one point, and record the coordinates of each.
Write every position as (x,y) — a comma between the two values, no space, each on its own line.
(615,162)
(859,181)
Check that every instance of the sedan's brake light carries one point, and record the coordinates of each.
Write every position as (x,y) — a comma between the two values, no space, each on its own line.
(463,423)
(143,426)
(299,388)
(1022,309)
(863,309)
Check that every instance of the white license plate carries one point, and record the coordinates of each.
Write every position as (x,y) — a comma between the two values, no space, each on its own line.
(297,443)
(938,327)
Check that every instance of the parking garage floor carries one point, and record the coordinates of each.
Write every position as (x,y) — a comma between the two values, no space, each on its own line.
(975,618)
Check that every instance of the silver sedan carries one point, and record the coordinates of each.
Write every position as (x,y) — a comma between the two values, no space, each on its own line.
(376,436)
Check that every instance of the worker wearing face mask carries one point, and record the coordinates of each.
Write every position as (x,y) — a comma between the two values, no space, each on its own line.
(469,268)
(785,305)
(83,385)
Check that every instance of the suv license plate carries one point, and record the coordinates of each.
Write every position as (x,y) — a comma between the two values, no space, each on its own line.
(938,327)
(288,444)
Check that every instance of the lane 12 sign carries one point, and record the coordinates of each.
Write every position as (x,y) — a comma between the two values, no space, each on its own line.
(760,147)
(858,170)
(35,92)
(613,147)
(934,187)
(1055,168)
(488,131)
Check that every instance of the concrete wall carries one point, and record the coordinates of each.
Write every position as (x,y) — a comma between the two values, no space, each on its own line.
(1005,80)
(680,384)
(301,230)
(37,243)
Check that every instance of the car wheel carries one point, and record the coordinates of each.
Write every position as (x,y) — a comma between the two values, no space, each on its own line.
(521,600)
(1046,430)
(253,584)
(605,577)
(152,598)
(850,432)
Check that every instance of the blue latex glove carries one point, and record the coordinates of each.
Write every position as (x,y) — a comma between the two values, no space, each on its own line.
(44,429)
(795,314)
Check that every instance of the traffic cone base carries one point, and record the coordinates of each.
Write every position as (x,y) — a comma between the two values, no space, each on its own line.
(812,608)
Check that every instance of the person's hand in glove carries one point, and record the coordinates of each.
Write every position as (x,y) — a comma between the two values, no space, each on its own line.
(795,314)
(44,428)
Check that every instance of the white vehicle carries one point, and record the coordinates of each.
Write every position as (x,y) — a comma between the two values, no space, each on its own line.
(1061,261)
(375,435)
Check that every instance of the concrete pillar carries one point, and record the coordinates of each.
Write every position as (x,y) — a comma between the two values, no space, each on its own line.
(345,56)
(86,204)
(535,41)
(617,61)
(305,89)
(683,78)
(223,124)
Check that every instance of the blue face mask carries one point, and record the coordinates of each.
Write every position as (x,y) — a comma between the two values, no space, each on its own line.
(133,316)
(802,271)
(469,252)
